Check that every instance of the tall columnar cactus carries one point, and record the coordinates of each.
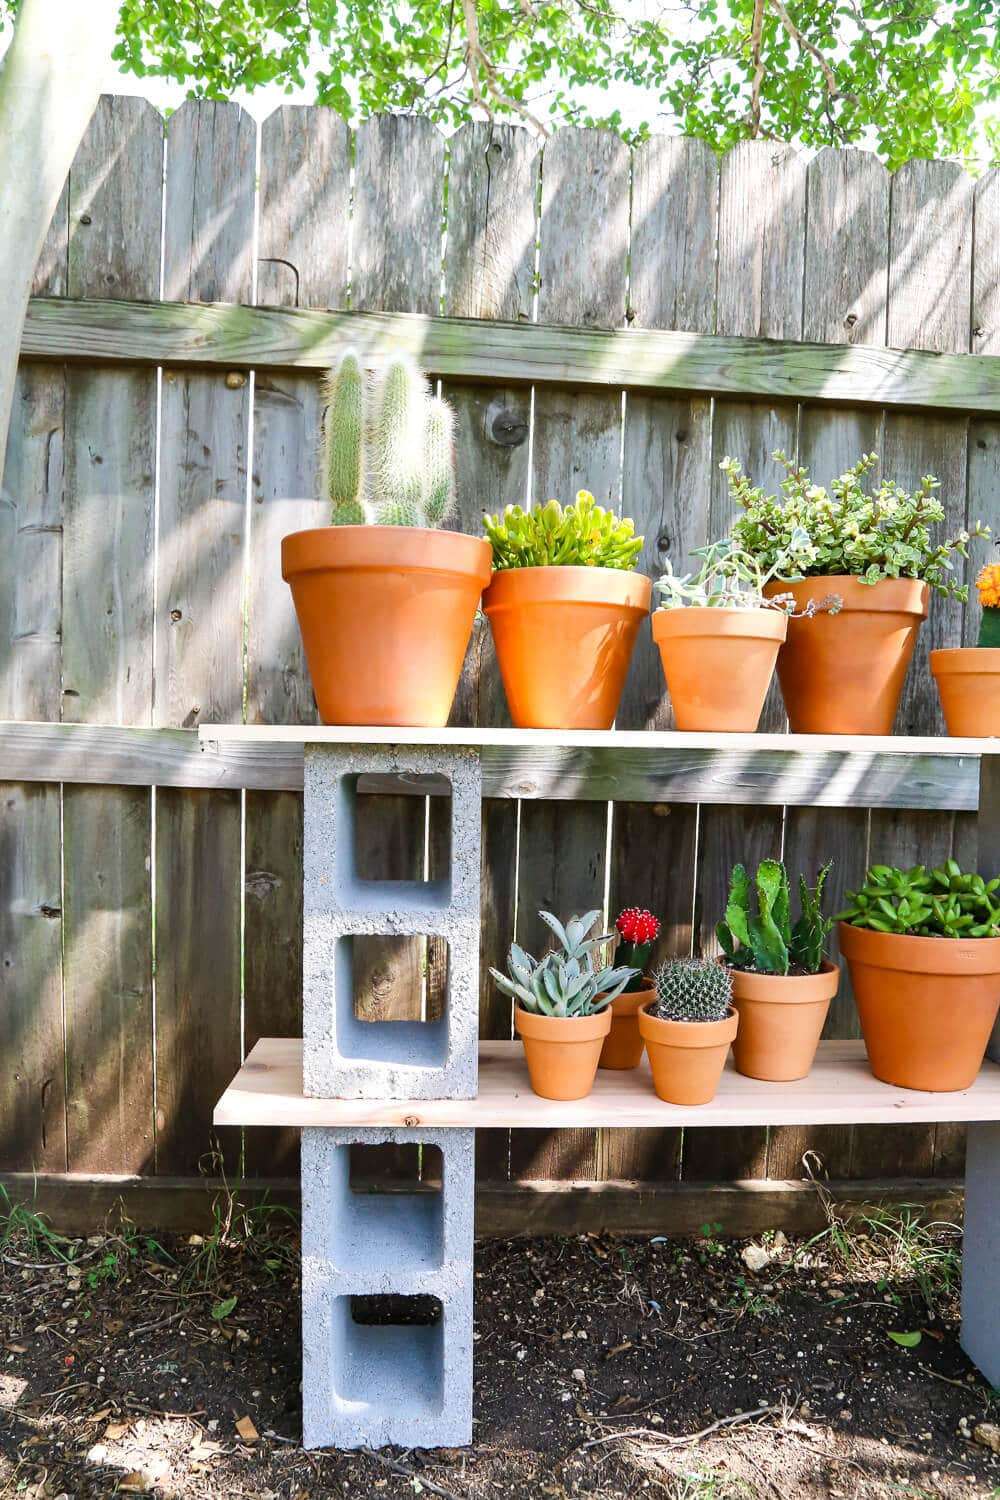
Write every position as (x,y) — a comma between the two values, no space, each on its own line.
(988,588)
(388,446)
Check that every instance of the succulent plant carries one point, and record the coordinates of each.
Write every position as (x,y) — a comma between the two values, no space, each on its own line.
(766,939)
(582,535)
(730,578)
(566,982)
(943,903)
(692,989)
(637,931)
(988,589)
(388,446)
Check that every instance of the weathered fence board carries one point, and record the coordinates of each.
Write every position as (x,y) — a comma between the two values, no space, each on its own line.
(766,307)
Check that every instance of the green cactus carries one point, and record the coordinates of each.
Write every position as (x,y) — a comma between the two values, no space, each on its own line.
(692,989)
(388,451)
(766,940)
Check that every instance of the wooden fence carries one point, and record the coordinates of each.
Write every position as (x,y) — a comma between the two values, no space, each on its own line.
(148,936)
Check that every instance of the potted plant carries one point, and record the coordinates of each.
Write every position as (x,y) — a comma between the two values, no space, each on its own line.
(782,981)
(637,931)
(843,672)
(719,634)
(565,607)
(563,1006)
(923,950)
(385,599)
(688,1028)
(968,677)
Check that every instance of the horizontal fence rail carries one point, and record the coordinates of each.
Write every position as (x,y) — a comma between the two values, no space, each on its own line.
(266,338)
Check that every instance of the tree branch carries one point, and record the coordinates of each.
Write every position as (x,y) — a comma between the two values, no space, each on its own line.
(805,45)
(756,33)
(476,58)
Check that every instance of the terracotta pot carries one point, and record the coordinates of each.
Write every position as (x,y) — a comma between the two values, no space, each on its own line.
(718,664)
(927,1005)
(687,1057)
(561,1052)
(623,1045)
(844,673)
(968,680)
(781,1020)
(564,639)
(385,614)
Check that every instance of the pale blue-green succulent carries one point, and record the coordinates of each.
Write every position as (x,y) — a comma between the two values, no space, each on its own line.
(566,982)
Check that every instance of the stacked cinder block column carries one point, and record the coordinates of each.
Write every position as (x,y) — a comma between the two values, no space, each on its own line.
(366,1384)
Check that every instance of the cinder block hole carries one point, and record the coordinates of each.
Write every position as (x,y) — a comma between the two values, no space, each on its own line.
(399,978)
(389,1360)
(402,828)
(393,1213)
(397,1311)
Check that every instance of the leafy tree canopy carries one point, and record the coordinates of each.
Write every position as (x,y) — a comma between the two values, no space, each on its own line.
(908,77)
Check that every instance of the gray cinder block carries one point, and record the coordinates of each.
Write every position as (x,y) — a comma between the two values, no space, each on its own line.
(981,1251)
(344,1058)
(362,1385)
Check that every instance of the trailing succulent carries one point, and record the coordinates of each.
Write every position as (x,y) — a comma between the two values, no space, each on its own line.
(582,535)
(637,931)
(388,446)
(886,534)
(766,939)
(942,903)
(566,982)
(692,989)
(731,578)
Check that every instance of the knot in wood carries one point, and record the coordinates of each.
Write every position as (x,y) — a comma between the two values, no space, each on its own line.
(509,428)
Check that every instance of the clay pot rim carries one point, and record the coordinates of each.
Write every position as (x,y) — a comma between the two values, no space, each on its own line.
(687,1033)
(512,588)
(960,661)
(909,596)
(697,620)
(971,957)
(417,549)
(786,989)
(553,1028)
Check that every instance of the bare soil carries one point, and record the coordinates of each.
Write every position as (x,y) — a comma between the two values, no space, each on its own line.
(604,1367)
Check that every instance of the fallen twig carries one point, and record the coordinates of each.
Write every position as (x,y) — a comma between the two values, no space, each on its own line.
(407,1473)
(672,1440)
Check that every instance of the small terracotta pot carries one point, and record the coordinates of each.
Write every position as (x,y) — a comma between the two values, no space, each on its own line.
(562,1052)
(564,639)
(687,1057)
(968,680)
(385,614)
(623,1045)
(781,1021)
(844,673)
(718,664)
(927,1005)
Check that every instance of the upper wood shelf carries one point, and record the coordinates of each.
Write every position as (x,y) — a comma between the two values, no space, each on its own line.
(840,1090)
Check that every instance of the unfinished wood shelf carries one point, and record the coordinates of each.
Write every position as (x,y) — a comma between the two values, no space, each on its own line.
(840,1090)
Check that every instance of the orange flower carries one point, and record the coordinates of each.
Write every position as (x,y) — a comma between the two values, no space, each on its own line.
(988,585)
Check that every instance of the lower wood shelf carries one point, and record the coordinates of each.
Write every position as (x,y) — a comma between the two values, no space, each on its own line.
(840,1090)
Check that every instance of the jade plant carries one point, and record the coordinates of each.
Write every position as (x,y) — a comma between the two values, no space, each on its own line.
(567,981)
(757,932)
(946,902)
(887,533)
(692,989)
(988,589)
(388,446)
(637,931)
(581,535)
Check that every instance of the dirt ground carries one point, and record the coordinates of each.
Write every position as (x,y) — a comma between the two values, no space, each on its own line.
(604,1367)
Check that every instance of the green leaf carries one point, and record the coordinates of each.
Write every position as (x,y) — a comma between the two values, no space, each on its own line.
(906,1340)
(222,1309)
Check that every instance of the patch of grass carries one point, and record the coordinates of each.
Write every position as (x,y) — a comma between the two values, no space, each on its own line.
(261,1231)
(26,1235)
(703,1484)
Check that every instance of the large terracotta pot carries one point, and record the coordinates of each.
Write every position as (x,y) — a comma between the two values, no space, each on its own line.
(781,1021)
(562,1052)
(623,1045)
(718,663)
(927,1005)
(843,673)
(385,614)
(687,1057)
(968,680)
(564,639)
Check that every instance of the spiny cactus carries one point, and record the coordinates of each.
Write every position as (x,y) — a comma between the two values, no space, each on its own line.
(388,447)
(692,989)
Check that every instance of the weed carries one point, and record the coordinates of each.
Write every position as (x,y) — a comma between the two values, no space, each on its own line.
(29,1233)
(708,1246)
(259,1230)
